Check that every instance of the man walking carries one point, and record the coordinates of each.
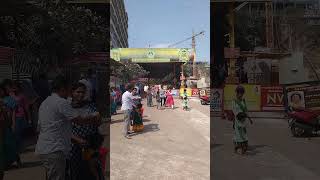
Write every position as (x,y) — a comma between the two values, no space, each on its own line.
(127,106)
(162,96)
(55,123)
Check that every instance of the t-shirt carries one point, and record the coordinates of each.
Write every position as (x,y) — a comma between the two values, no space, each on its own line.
(55,115)
(162,93)
(127,101)
(146,88)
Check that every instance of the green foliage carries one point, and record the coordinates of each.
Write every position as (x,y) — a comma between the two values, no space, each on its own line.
(54,33)
(128,72)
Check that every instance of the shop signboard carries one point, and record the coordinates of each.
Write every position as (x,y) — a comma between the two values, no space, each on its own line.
(195,92)
(305,95)
(272,98)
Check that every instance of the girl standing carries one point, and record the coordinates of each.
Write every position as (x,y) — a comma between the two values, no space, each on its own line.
(185,100)
(240,110)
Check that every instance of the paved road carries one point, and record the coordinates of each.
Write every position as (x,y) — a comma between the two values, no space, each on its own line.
(275,154)
(174,145)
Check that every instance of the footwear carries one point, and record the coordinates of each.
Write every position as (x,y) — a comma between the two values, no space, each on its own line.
(127,136)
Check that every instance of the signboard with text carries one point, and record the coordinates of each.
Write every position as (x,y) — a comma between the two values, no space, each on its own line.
(272,98)
(305,95)
(195,92)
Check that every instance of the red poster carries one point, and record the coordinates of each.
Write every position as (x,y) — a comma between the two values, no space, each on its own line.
(272,98)
(195,92)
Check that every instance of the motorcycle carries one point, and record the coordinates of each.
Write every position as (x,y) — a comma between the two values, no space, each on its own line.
(205,100)
(304,122)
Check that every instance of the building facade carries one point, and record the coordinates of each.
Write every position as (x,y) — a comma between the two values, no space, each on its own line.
(118,24)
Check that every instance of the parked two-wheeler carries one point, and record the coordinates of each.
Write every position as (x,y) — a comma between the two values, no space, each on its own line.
(304,123)
(205,100)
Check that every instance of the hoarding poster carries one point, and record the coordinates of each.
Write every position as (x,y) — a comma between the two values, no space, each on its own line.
(272,98)
(252,95)
(175,92)
(216,100)
(306,95)
(189,91)
(195,92)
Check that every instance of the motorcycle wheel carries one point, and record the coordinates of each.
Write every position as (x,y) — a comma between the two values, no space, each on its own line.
(297,131)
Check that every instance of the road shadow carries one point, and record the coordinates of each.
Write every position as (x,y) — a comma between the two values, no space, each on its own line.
(121,121)
(215,146)
(146,120)
(116,121)
(254,150)
(118,113)
(148,128)
(25,165)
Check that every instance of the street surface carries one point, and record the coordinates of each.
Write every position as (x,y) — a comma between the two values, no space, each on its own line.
(274,154)
(174,145)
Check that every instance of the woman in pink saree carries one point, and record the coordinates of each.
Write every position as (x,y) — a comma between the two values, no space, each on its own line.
(170,100)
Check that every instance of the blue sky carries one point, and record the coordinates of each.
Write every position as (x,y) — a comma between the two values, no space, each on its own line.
(159,23)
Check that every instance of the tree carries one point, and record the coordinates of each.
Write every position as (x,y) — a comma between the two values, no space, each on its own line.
(60,32)
(128,71)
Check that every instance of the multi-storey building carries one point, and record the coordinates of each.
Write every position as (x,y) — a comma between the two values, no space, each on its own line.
(118,24)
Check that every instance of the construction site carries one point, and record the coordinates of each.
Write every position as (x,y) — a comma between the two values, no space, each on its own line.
(267,44)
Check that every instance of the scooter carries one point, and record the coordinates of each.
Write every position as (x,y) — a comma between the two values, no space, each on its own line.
(205,100)
(304,122)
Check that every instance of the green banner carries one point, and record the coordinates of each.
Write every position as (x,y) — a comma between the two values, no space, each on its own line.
(149,55)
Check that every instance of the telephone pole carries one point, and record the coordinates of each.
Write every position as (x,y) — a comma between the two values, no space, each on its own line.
(194,55)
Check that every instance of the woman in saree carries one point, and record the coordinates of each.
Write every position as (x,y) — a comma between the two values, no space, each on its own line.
(240,110)
(170,100)
(4,121)
(81,134)
(113,95)
(11,150)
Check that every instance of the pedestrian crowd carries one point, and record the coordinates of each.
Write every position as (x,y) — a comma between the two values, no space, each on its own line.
(65,120)
(131,105)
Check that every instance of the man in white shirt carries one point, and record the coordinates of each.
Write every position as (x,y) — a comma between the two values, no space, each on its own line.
(127,106)
(55,123)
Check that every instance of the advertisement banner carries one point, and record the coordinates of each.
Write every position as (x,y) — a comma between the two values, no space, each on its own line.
(216,100)
(252,95)
(189,91)
(175,92)
(272,98)
(305,96)
(195,92)
(202,92)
